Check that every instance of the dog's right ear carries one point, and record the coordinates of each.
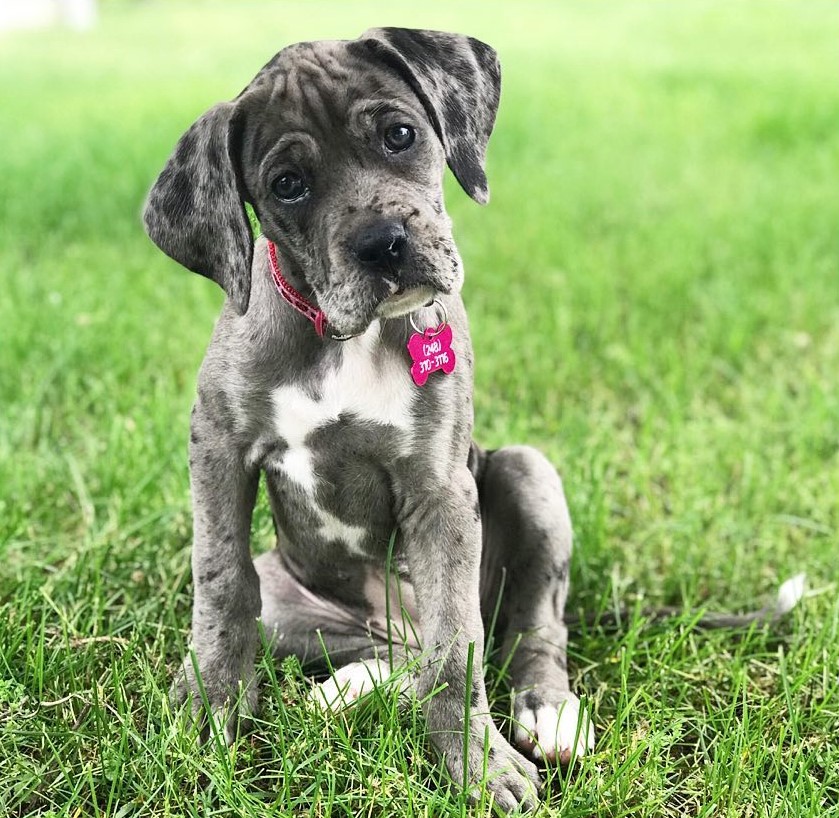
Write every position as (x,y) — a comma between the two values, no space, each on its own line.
(195,212)
(458,81)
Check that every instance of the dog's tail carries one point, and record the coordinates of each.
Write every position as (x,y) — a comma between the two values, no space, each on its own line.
(788,596)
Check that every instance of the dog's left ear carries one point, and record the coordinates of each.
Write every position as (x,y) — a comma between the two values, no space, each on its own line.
(458,82)
(195,211)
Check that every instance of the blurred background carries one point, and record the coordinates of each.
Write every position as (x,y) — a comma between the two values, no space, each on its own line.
(80,15)
(653,290)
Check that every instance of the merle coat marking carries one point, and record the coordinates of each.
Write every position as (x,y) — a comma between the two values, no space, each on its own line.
(351,450)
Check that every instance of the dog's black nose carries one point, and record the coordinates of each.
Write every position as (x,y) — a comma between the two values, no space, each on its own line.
(381,245)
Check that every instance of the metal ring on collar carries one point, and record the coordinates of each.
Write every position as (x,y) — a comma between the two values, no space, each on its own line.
(435,302)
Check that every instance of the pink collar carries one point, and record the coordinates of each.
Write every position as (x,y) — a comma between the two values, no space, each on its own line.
(289,294)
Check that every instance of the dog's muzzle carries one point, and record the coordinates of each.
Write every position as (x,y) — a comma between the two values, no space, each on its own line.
(382,246)
(383,249)
(406,301)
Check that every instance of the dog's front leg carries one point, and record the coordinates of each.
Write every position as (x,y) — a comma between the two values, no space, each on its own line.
(442,537)
(226,596)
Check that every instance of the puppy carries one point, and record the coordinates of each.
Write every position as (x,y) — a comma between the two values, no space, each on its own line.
(341,369)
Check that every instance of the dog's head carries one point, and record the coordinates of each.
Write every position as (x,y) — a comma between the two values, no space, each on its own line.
(340,147)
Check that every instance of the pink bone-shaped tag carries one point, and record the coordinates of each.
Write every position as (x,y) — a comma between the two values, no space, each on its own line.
(430,351)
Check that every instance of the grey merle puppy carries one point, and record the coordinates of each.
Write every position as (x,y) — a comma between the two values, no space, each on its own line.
(340,148)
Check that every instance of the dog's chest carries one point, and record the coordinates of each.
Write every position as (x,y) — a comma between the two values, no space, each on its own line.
(337,438)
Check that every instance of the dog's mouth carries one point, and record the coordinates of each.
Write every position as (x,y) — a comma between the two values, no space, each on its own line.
(405,300)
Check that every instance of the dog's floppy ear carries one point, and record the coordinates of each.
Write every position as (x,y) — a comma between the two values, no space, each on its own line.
(195,212)
(458,82)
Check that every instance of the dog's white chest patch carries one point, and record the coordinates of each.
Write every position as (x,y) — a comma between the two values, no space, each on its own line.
(367,384)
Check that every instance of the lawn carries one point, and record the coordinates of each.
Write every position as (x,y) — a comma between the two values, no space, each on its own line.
(654,300)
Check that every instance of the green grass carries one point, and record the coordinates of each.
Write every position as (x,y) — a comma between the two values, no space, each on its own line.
(654,298)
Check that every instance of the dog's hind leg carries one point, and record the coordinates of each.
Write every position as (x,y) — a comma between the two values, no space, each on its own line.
(524,584)
(326,637)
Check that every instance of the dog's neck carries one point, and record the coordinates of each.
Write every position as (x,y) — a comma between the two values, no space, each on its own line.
(292,296)
(291,275)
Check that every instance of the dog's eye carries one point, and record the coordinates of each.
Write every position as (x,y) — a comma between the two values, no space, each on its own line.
(399,137)
(289,186)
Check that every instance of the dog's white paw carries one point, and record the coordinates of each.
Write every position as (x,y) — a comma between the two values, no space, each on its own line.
(553,732)
(348,684)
